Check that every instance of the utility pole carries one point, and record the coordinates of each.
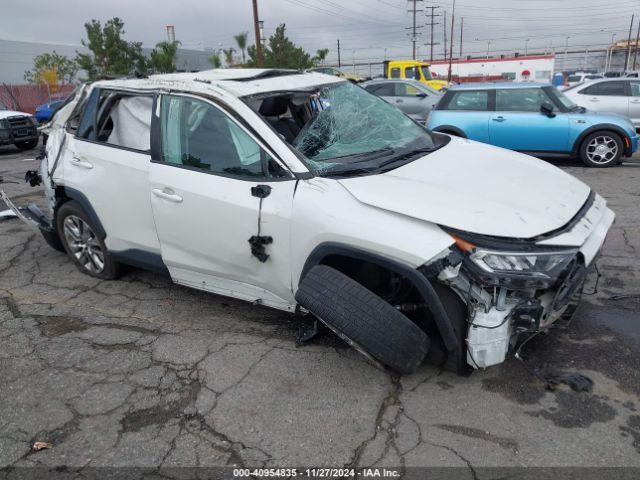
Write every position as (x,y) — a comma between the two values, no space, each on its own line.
(453,22)
(461,28)
(414,35)
(338,53)
(432,25)
(256,27)
(635,54)
(444,30)
(626,58)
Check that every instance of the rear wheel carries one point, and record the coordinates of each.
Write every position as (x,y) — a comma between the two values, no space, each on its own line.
(601,149)
(27,144)
(83,245)
(363,319)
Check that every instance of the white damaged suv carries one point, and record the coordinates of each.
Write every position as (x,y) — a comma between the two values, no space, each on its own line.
(305,193)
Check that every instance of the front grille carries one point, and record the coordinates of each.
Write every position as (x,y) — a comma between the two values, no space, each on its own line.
(21,126)
(19,122)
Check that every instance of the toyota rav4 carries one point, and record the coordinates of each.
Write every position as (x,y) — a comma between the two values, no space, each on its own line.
(305,193)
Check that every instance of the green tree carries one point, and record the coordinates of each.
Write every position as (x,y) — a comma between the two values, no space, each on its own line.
(241,41)
(163,57)
(214,60)
(281,52)
(43,65)
(321,56)
(110,54)
(228,56)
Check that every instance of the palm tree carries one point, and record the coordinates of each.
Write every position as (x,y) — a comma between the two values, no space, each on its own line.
(241,40)
(321,55)
(228,56)
(214,60)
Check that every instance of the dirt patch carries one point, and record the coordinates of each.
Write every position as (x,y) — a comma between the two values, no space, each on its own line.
(54,326)
(504,442)
(161,414)
(577,410)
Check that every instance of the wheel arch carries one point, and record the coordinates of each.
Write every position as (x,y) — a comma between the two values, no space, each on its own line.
(64,194)
(602,127)
(450,129)
(324,253)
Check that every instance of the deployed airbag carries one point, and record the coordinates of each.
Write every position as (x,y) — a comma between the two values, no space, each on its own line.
(132,123)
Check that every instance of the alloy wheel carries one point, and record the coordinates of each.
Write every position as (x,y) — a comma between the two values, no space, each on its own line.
(602,149)
(83,244)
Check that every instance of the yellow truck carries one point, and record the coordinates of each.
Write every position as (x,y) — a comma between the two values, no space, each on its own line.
(414,70)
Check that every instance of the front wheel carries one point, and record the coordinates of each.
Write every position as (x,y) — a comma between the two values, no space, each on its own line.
(83,245)
(602,149)
(27,144)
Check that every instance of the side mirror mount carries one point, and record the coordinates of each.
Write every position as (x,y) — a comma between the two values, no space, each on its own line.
(547,109)
(421,95)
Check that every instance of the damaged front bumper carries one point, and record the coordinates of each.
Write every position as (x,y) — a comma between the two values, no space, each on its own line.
(501,307)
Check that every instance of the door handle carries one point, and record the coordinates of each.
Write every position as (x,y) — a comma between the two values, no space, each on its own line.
(498,119)
(635,101)
(81,162)
(167,194)
(399,101)
(594,100)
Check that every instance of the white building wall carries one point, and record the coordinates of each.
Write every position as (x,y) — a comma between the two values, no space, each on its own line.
(541,68)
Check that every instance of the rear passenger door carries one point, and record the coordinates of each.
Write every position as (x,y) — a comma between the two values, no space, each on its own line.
(634,102)
(468,111)
(107,163)
(518,123)
(608,96)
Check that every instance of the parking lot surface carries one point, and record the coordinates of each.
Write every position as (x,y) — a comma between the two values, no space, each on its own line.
(141,372)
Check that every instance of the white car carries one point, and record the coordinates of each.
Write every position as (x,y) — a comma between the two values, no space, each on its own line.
(610,95)
(305,193)
(577,78)
(18,128)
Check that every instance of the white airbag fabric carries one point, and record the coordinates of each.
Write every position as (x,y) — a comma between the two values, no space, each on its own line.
(132,123)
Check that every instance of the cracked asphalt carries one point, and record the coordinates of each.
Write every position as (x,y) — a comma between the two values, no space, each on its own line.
(141,372)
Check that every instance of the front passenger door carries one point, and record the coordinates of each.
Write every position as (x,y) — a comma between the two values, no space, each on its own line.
(206,212)
(518,123)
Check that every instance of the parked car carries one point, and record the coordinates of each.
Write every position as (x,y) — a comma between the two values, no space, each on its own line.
(581,77)
(536,119)
(413,98)
(612,95)
(336,72)
(45,111)
(306,193)
(18,128)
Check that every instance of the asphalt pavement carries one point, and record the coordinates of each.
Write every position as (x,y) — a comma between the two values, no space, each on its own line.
(142,372)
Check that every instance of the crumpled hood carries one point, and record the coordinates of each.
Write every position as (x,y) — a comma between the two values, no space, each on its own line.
(477,188)
(12,113)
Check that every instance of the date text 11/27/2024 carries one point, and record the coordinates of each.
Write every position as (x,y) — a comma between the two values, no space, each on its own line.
(316,473)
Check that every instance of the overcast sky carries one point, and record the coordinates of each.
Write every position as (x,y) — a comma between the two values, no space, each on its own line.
(365,27)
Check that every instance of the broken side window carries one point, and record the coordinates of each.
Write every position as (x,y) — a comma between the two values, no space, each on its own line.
(117,118)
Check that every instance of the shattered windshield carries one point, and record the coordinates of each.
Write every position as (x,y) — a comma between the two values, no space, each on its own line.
(352,131)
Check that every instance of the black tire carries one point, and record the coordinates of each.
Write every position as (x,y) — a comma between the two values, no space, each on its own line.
(457,312)
(53,239)
(589,158)
(363,319)
(27,144)
(110,268)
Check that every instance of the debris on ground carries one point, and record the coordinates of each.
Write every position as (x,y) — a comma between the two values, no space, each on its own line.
(37,446)
(4,214)
(576,381)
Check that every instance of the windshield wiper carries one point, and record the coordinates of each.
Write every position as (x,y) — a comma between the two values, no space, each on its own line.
(405,156)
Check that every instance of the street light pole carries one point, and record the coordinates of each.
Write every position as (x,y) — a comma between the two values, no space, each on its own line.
(526,46)
(256,27)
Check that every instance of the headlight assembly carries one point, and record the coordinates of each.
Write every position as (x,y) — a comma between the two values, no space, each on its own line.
(539,265)
(516,269)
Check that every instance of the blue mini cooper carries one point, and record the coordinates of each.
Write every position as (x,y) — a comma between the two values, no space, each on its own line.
(536,119)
